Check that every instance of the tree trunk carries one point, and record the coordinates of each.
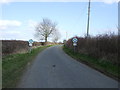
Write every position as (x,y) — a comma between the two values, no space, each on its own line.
(46,40)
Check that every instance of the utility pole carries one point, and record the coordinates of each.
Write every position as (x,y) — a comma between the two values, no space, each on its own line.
(66,35)
(88,19)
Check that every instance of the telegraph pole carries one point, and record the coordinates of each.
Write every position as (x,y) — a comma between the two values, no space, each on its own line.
(88,19)
(66,35)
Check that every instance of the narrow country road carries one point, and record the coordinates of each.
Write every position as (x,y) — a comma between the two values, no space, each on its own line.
(52,68)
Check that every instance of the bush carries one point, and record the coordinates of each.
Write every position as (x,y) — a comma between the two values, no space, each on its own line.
(17,46)
(13,46)
(104,47)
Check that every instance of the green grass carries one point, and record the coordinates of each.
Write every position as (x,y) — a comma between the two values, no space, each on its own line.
(103,66)
(13,66)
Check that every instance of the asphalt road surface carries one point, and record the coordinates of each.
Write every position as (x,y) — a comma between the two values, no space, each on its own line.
(52,68)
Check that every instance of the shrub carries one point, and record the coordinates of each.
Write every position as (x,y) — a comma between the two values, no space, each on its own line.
(104,47)
(13,46)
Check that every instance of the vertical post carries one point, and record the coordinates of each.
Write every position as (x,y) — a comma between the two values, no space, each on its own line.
(66,35)
(88,19)
(74,49)
(30,49)
(75,46)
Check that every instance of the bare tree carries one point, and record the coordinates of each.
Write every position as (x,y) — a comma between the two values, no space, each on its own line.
(45,29)
(56,36)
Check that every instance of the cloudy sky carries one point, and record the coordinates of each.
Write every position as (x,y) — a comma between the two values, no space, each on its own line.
(17,19)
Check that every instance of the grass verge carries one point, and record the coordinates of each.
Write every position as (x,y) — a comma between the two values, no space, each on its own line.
(14,65)
(105,67)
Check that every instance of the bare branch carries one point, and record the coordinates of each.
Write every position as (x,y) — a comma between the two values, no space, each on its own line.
(45,29)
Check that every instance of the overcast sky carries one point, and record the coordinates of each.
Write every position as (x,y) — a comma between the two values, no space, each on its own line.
(17,19)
